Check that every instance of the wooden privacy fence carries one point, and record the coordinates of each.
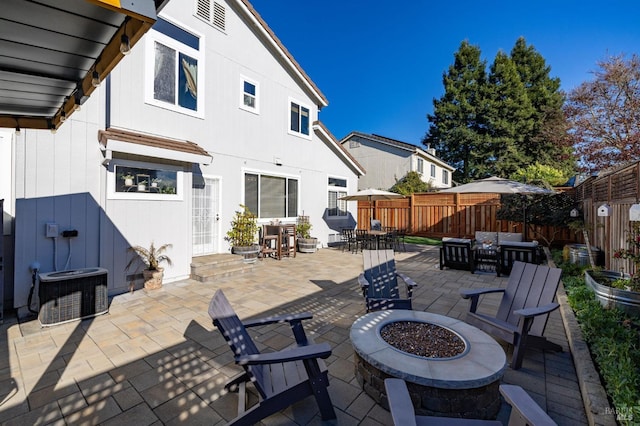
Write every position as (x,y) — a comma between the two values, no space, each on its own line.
(451,215)
(619,189)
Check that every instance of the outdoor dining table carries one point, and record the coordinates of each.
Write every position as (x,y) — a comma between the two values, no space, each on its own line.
(378,236)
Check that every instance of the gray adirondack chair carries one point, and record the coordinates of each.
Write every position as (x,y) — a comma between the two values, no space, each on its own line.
(281,378)
(523,311)
(524,410)
(379,282)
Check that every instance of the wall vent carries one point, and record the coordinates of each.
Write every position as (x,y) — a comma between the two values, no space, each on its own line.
(203,10)
(219,16)
(212,12)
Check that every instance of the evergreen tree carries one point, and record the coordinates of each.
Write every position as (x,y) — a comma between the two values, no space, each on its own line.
(548,142)
(457,130)
(510,117)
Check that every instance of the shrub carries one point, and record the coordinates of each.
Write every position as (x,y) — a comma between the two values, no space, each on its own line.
(613,339)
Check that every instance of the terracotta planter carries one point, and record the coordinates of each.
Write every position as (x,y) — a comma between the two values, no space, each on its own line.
(153,278)
(609,297)
(307,245)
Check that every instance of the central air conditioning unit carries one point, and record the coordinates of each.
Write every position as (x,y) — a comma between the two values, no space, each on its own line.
(72,295)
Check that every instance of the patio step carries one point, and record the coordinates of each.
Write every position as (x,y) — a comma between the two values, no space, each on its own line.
(214,266)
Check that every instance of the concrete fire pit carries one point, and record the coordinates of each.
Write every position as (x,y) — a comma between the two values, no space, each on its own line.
(464,385)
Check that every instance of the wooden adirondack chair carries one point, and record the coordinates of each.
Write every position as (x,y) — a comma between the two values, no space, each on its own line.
(281,378)
(524,410)
(379,282)
(523,311)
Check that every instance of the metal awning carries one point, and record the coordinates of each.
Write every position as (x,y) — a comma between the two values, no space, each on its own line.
(51,50)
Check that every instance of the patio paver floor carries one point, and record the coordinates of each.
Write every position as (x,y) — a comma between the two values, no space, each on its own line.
(155,358)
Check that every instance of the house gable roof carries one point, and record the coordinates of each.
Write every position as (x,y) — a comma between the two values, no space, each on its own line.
(323,133)
(413,149)
(286,56)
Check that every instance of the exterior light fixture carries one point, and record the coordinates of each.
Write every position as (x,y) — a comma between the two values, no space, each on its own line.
(63,116)
(125,46)
(95,79)
(17,130)
(51,126)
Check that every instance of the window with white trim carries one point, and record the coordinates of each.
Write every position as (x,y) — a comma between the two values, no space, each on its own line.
(337,189)
(420,165)
(433,171)
(175,69)
(249,95)
(299,118)
(144,181)
(445,177)
(269,196)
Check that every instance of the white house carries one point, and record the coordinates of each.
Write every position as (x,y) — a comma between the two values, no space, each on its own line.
(209,111)
(387,160)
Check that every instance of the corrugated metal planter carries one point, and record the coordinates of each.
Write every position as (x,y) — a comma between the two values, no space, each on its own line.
(628,301)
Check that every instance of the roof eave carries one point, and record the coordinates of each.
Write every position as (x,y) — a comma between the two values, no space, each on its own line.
(326,135)
(286,56)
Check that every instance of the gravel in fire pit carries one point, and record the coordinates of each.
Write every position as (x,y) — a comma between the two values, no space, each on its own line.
(422,339)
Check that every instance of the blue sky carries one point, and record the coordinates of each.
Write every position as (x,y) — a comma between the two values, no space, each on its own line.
(380,64)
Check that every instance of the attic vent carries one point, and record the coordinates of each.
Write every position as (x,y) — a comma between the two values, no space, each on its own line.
(203,10)
(212,12)
(218,15)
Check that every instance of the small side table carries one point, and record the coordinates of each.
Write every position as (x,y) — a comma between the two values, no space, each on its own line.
(485,258)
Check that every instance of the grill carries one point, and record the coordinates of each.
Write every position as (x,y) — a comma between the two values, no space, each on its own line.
(72,295)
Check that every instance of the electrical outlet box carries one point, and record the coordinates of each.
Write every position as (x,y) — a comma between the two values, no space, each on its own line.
(70,233)
(51,230)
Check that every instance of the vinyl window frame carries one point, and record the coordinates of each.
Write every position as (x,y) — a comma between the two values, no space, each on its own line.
(256,108)
(151,38)
(112,176)
(300,120)
(339,211)
(289,207)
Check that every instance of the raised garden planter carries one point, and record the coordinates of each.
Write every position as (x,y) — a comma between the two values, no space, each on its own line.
(610,297)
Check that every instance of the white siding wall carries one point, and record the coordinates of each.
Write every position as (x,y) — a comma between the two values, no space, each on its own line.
(238,140)
(60,178)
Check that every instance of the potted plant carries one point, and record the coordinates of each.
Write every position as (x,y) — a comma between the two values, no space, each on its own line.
(152,257)
(155,182)
(618,289)
(306,243)
(243,234)
(142,186)
(128,179)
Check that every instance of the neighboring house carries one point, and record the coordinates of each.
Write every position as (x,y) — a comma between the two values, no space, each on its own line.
(388,160)
(209,111)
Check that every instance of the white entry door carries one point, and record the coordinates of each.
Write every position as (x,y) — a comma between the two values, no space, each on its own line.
(206,214)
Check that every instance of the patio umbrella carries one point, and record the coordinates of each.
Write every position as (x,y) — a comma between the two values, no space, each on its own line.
(370,195)
(498,185)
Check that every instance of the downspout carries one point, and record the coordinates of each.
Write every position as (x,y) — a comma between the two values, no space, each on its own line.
(107,102)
